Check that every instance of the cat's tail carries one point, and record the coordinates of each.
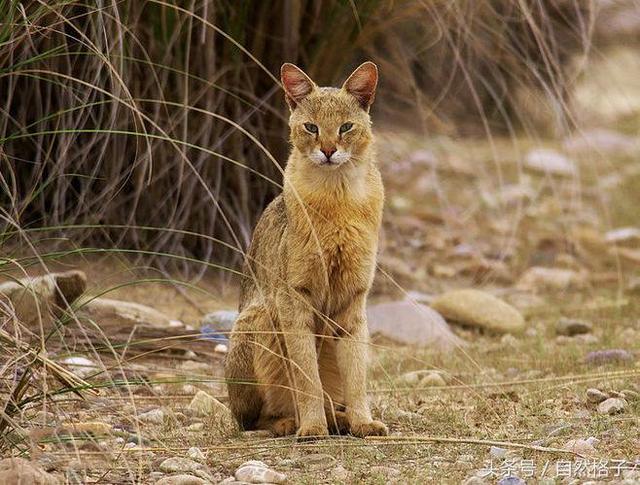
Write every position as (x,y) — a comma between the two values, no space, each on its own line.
(245,400)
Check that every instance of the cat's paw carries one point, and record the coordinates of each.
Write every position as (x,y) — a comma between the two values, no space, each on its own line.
(338,422)
(310,432)
(369,428)
(284,426)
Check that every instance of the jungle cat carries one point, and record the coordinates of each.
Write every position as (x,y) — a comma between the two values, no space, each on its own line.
(297,361)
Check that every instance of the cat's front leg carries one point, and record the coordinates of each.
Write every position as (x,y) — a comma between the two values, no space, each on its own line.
(297,320)
(352,353)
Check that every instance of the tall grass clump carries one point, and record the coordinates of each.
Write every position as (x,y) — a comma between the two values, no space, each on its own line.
(169,114)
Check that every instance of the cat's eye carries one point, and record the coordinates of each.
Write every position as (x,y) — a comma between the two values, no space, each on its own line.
(346,127)
(311,128)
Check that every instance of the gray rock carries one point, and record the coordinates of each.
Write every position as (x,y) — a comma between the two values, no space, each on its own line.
(512,480)
(20,471)
(181,479)
(595,396)
(203,404)
(497,452)
(178,464)
(613,405)
(571,327)
(222,320)
(257,472)
(33,299)
(608,356)
(416,378)
(196,427)
(411,323)
(593,441)
(550,162)
(80,366)
(196,454)
(580,446)
(479,309)
(623,235)
(126,313)
(155,416)
(432,379)
(205,475)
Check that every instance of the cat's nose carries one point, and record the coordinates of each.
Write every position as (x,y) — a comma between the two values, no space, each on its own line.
(328,152)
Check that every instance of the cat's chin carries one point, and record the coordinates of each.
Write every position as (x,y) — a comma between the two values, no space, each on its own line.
(326,165)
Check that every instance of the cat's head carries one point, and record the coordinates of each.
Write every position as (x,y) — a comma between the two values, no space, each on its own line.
(330,127)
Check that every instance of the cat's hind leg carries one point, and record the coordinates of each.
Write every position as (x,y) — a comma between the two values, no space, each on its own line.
(245,398)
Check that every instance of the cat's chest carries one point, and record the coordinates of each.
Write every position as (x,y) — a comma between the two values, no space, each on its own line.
(346,252)
(346,245)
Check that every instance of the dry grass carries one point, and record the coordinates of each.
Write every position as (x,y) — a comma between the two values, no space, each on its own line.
(140,141)
(149,113)
(524,394)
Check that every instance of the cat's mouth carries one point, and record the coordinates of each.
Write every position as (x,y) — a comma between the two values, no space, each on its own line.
(330,164)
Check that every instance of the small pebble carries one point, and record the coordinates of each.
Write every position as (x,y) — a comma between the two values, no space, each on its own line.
(178,464)
(155,416)
(182,479)
(497,452)
(433,379)
(595,396)
(195,427)
(580,446)
(257,472)
(571,327)
(592,440)
(196,454)
(613,405)
(221,348)
(512,480)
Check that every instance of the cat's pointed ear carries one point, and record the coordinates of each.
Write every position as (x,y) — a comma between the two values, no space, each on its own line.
(297,85)
(362,84)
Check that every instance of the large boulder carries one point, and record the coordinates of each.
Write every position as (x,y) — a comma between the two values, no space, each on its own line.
(476,308)
(125,312)
(34,298)
(411,323)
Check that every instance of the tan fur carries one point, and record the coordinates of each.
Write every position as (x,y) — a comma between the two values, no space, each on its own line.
(298,353)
